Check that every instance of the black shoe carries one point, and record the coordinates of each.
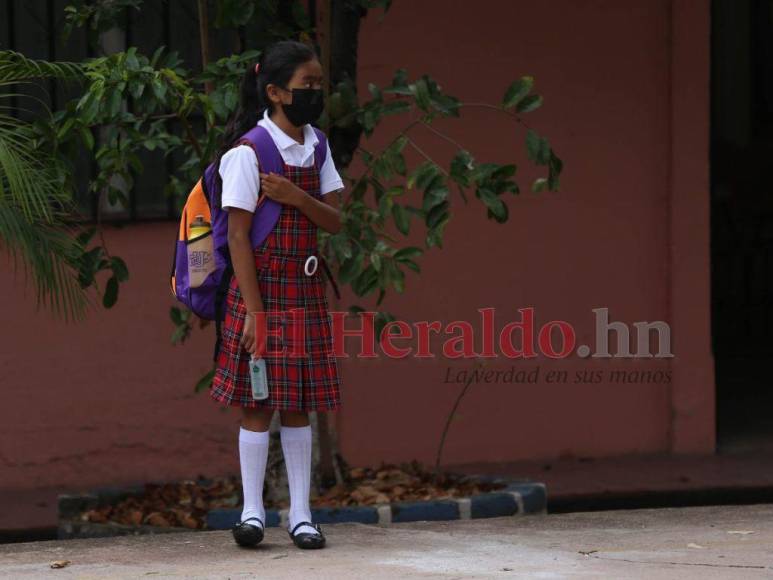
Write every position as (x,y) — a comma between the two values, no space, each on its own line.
(247,534)
(306,540)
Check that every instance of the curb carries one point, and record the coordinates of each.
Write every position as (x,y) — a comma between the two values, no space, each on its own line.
(520,498)
(517,498)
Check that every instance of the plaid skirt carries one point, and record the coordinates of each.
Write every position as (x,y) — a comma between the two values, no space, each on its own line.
(301,366)
(306,382)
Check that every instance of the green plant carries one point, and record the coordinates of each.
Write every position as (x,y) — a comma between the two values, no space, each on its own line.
(378,217)
(37,227)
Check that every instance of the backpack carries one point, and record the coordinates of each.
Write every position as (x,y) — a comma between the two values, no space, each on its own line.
(201,262)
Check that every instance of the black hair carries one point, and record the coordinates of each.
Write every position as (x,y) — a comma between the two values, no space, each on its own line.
(278,62)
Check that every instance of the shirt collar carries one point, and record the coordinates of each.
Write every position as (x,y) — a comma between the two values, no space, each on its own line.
(283,140)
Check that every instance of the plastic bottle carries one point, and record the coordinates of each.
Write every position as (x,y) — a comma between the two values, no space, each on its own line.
(199,227)
(200,248)
(258,378)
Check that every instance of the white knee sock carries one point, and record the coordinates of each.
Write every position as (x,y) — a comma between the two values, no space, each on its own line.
(253,455)
(296,447)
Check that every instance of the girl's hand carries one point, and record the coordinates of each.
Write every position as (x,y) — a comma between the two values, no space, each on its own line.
(281,189)
(254,339)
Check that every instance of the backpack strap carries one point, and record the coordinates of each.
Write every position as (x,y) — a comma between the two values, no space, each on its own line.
(320,149)
(269,158)
(266,150)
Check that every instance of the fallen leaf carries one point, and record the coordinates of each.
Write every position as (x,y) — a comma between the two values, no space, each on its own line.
(157,519)
(357,472)
(190,522)
(60,563)
(135,517)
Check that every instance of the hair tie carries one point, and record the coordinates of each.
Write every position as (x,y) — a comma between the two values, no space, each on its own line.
(257,66)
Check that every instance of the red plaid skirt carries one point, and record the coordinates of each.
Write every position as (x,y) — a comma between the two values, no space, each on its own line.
(304,377)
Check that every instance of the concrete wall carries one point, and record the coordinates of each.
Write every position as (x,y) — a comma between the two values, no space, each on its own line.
(626,90)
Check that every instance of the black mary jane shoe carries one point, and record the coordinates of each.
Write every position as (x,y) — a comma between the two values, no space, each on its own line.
(247,534)
(306,540)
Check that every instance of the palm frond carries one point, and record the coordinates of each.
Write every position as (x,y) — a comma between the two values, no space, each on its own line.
(47,252)
(28,184)
(34,206)
(15,68)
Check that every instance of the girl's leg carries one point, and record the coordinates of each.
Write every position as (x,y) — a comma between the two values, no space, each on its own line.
(253,456)
(295,434)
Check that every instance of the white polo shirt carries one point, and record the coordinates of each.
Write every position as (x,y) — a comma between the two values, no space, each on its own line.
(240,173)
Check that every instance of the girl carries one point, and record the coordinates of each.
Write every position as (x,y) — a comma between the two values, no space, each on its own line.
(283,94)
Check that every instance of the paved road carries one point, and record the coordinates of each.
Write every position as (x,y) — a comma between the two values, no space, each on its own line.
(703,542)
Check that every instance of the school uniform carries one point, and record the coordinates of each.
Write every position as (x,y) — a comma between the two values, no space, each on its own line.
(296,383)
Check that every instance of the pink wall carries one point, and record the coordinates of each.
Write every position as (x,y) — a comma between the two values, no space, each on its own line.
(110,400)
(626,90)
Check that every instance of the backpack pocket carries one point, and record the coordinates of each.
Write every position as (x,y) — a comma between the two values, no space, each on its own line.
(200,252)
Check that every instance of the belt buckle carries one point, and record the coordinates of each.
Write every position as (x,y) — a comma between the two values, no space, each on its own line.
(310,260)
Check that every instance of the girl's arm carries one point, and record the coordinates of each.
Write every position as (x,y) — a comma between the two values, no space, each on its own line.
(323,213)
(240,246)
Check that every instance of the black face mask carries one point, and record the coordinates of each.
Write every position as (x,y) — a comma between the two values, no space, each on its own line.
(306,107)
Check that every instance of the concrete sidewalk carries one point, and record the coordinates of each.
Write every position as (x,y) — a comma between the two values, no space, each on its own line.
(699,542)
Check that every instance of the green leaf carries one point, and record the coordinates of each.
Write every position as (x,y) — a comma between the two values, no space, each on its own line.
(435,194)
(358,192)
(111,293)
(120,271)
(65,128)
(88,266)
(114,104)
(420,91)
(205,382)
(402,219)
(540,184)
(537,148)
(395,107)
(461,165)
(88,137)
(381,320)
(554,170)
(437,213)
(90,106)
(399,83)
(366,282)
(412,265)
(529,104)
(422,175)
(399,282)
(405,254)
(517,91)
(496,207)
(435,235)
(176,315)
(159,89)
(498,211)
(350,269)
(85,236)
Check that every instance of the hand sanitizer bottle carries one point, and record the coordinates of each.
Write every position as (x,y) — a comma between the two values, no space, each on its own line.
(258,378)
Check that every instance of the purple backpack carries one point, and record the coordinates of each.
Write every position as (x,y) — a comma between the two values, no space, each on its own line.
(201,266)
